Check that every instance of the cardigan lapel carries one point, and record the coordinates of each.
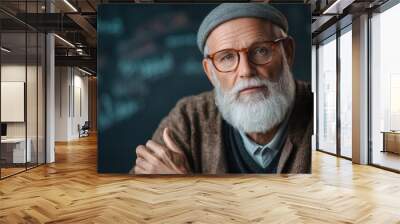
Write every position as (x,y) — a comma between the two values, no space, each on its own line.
(295,127)
(286,151)
(216,162)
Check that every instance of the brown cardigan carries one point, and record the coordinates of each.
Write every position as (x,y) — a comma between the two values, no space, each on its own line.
(196,125)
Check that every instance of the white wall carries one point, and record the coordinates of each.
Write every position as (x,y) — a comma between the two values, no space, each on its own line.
(80,103)
(71,92)
(11,73)
(61,103)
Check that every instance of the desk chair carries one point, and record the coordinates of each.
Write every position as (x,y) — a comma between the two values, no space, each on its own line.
(84,130)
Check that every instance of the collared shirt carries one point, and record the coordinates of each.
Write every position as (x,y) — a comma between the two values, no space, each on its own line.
(264,154)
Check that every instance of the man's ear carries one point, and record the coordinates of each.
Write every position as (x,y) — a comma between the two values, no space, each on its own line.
(207,70)
(289,46)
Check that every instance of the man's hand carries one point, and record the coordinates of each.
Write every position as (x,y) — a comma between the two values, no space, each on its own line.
(154,158)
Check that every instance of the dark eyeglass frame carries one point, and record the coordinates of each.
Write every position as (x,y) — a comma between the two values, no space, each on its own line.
(273,42)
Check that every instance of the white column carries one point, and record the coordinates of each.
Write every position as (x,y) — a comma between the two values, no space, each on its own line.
(314,90)
(50,93)
(360,90)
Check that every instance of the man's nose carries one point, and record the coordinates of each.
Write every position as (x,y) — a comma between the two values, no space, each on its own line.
(245,68)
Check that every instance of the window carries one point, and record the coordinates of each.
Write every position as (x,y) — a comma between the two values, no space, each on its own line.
(346,92)
(385,89)
(327,95)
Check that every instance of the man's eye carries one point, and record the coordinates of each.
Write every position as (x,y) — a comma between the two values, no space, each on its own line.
(227,57)
(261,51)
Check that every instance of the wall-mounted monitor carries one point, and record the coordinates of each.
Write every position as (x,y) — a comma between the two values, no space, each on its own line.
(3,129)
(12,101)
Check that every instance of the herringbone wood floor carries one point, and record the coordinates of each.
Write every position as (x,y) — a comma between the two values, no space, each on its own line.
(70,191)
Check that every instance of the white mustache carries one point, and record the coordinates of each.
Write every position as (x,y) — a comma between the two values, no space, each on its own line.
(250,83)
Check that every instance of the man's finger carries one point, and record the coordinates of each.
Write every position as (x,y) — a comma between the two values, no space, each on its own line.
(163,153)
(138,149)
(169,142)
(139,161)
(140,170)
(143,152)
(158,150)
(146,167)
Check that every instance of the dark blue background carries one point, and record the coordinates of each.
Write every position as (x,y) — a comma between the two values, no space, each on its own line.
(148,60)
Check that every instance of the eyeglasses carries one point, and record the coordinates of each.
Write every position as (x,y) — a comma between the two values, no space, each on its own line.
(260,53)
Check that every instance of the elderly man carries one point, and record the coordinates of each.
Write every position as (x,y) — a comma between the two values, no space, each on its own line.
(258,119)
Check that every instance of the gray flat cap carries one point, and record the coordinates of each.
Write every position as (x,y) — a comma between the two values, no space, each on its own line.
(228,11)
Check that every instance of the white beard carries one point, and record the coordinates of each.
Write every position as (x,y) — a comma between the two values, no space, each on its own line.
(261,111)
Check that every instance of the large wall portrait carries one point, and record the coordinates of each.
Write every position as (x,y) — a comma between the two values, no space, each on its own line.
(204,88)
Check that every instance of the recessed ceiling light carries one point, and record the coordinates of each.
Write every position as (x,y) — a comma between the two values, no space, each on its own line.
(337,7)
(84,71)
(70,5)
(65,41)
(5,50)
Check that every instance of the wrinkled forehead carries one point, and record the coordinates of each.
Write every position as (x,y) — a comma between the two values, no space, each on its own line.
(241,33)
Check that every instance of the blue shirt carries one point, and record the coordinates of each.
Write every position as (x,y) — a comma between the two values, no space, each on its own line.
(264,154)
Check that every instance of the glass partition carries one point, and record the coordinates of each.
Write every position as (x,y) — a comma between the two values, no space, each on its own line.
(22,77)
(41,109)
(14,153)
(32,95)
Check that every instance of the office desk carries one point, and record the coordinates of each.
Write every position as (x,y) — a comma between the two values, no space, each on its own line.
(391,141)
(13,150)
